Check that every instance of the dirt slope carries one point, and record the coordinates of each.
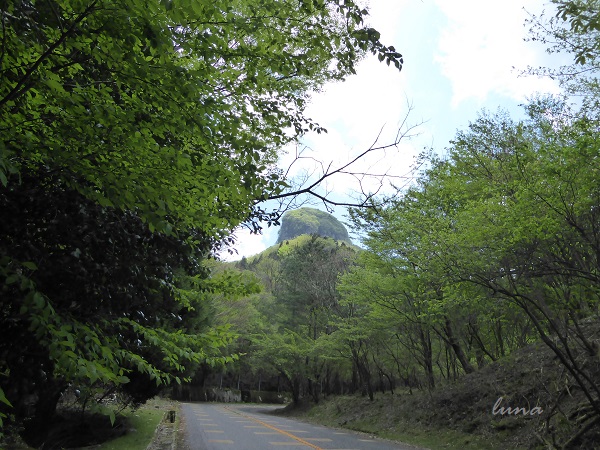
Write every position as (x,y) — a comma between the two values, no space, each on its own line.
(461,414)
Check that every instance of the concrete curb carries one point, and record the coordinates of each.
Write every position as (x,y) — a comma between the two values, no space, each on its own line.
(166,433)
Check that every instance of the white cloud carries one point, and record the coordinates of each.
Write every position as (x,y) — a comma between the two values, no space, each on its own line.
(355,112)
(248,244)
(482,49)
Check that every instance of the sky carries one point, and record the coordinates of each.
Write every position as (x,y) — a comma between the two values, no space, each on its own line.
(460,57)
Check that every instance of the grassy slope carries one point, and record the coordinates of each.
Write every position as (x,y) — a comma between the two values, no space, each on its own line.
(141,426)
(459,415)
(135,428)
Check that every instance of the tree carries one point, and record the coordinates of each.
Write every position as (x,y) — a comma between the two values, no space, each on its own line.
(507,222)
(99,302)
(284,331)
(573,30)
(545,197)
(380,296)
(308,289)
(147,132)
(202,97)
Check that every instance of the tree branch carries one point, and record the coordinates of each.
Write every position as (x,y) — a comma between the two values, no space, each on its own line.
(305,187)
(23,84)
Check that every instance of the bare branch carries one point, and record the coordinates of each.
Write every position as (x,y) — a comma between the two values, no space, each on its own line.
(303,190)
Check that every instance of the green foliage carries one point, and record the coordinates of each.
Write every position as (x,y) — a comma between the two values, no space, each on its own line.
(287,330)
(3,415)
(583,19)
(102,306)
(493,246)
(573,30)
(193,109)
(284,249)
(143,420)
(311,221)
(135,137)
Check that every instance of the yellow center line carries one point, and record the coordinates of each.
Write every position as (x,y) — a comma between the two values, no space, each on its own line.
(302,441)
(283,443)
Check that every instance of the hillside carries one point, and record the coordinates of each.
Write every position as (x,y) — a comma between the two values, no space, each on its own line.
(311,221)
(282,249)
(460,415)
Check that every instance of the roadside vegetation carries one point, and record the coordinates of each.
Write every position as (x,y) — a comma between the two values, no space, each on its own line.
(460,414)
(139,426)
(127,429)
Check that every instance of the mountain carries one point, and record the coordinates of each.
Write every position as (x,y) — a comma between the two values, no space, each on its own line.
(311,221)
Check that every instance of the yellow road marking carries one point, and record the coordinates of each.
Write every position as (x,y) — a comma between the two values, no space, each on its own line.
(284,443)
(266,432)
(214,431)
(221,441)
(319,439)
(302,441)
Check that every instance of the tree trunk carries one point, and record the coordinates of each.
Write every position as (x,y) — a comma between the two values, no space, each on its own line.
(425,338)
(456,347)
(45,409)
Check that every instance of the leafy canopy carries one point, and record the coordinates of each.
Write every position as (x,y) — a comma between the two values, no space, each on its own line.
(173,109)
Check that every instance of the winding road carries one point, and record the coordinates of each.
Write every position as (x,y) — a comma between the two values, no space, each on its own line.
(226,426)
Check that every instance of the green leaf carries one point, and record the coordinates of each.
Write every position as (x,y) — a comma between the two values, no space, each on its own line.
(3,398)
(30,265)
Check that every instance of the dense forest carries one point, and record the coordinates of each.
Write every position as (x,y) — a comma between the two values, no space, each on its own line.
(137,136)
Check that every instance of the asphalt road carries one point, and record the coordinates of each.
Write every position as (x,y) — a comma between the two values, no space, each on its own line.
(226,426)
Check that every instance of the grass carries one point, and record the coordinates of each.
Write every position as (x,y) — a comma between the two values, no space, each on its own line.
(431,439)
(141,425)
(376,419)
